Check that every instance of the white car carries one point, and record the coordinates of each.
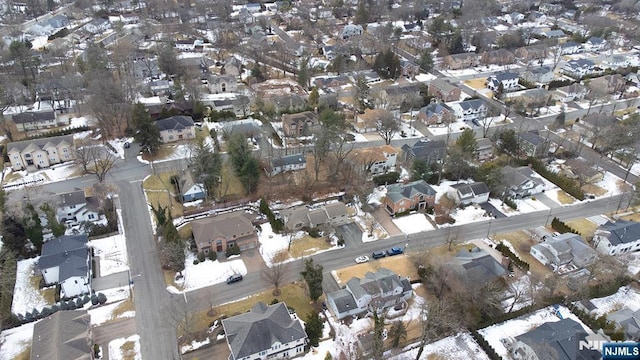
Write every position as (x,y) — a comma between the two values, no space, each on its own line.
(362,259)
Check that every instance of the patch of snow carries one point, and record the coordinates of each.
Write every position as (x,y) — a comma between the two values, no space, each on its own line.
(471,213)
(610,183)
(209,272)
(112,252)
(102,314)
(425,77)
(25,296)
(15,341)
(54,173)
(194,345)
(625,296)
(116,294)
(459,346)
(179,152)
(375,198)
(115,351)
(272,243)
(412,224)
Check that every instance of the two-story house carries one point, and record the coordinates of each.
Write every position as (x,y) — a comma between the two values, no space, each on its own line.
(222,84)
(595,44)
(521,182)
(374,292)
(300,124)
(66,261)
(507,81)
(35,120)
(460,61)
(351,30)
(436,113)
(532,144)
(570,47)
(619,237)
(573,92)
(538,74)
(374,160)
(476,267)
(415,195)
(331,214)
(443,90)
(470,110)
(97,26)
(367,122)
(498,57)
(176,128)
(579,68)
(484,149)
(564,253)
(474,193)
(220,232)
(74,207)
(286,163)
(265,332)
(559,340)
(41,153)
(532,52)
(66,334)
(425,149)
(401,95)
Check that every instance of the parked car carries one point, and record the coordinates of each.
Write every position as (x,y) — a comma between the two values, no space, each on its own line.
(378,254)
(362,259)
(127,145)
(396,250)
(234,278)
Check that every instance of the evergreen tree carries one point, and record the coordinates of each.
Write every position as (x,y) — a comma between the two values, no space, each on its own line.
(147,133)
(53,224)
(397,333)
(313,327)
(426,61)
(14,237)
(33,227)
(314,98)
(304,73)
(378,342)
(467,142)
(313,276)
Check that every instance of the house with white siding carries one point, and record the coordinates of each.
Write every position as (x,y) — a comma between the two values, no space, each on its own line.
(40,153)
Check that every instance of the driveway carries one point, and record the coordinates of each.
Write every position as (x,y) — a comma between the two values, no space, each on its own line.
(351,234)
(543,198)
(384,219)
(104,334)
(253,260)
(110,281)
(219,350)
(492,210)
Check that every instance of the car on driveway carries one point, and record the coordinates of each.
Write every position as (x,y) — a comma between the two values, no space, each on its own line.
(396,250)
(234,278)
(378,254)
(362,259)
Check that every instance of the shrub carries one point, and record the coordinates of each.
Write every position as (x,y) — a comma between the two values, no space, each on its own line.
(314,233)
(561,227)
(569,185)
(102,299)
(96,351)
(212,255)
(94,300)
(510,203)
(201,256)
(232,250)
(506,251)
(491,352)
(388,178)
(196,261)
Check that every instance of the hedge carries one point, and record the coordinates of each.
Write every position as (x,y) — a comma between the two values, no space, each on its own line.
(559,226)
(388,178)
(569,185)
(509,201)
(506,251)
(62,132)
(491,352)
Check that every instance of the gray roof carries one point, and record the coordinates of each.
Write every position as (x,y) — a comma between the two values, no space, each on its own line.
(477,188)
(40,143)
(581,63)
(317,216)
(517,176)
(442,84)
(178,122)
(73,198)
(62,336)
(397,192)
(629,320)
(567,247)
(343,300)
(477,266)
(595,40)
(335,209)
(622,231)
(559,341)
(435,108)
(472,104)
(69,253)
(428,149)
(532,137)
(505,75)
(34,116)
(382,281)
(404,89)
(260,328)
(295,159)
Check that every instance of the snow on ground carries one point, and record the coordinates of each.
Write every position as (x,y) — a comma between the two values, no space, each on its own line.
(412,224)
(553,195)
(179,152)
(272,243)
(76,122)
(610,183)
(116,353)
(634,263)
(375,198)
(117,293)
(520,287)
(102,314)
(209,272)
(530,205)
(635,169)
(53,174)
(625,296)
(425,77)
(26,297)
(118,144)
(194,345)
(16,340)
(454,127)
(508,330)
(471,213)
(112,252)
(459,346)
(359,137)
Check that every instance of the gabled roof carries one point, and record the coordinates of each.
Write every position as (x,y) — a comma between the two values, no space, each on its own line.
(178,122)
(69,253)
(73,198)
(504,76)
(435,108)
(34,116)
(260,328)
(295,159)
(628,319)
(580,63)
(62,336)
(404,89)
(559,341)
(426,149)
(474,104)
(443,85)
(475,189)
(621,231)
(532,137)
(518,176)
(397,192)
(477,266)
(231,225)
(382,281)
(39,143)
(594,40)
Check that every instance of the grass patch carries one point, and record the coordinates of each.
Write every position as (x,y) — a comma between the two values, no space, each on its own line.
(522,243)
(230,185)
(49,294)
(594,189)
(476,83)
(201,134)
(298,247)
(635,216)
(185,231)
(125,306)
(586,227)
(400,264)
(158,182)
(11,177)
(293,294)
(169,278)
(565,198)
(128,351)
(163,199)
(24,354)
(164,152)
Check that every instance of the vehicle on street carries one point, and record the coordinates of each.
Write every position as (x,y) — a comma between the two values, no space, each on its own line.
(127,145)
(362,259)
(234,278)
(396,250)
(378,254)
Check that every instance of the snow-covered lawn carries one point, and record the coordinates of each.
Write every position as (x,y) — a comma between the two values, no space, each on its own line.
(272,243)
(116,294)
(459,346)
(454,127)
(508,330)
(634,263)
(104,313)
(471,213)
(194,345)
(118,144)
(53,174)
(15,340)
(625,296)
(529,205)
(376,196)
(412,224)
(181,151)
(553,195)
(117,353)
(209,272)
(26,297)
(112,252)
(519,293)
(610,183)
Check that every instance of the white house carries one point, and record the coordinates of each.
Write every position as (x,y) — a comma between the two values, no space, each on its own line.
(619,237)
(222,84)
(350,30)
(66,261)
(474,193)
(521,182)
(40,153)
(564,253)
(191,190)
(74,208)
(508,80)
(35,120)
(287,163)
(470,110)
(579,68)
(595,44)
(97,26)
(569,48)
(374,160)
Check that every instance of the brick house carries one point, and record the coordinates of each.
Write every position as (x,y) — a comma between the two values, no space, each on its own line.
(444,90)
(436,113)
(460,61)
(220,232)
(300,124)
(416,195)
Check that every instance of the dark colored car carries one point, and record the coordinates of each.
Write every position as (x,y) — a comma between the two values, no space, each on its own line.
(127,145)
(234,278)
(396,250)
(378,254)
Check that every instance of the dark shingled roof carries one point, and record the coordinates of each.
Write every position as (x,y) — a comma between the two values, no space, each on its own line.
(622,231)
(260,328)
(34,116)
(69,252)
(288,160)
(559,341)
(62,336)
(179,122)
(397,192)
(40,143)
(73,198)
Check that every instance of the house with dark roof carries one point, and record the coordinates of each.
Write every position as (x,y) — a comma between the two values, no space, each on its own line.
(286,163)
(554,340)
(581,170)
(474,193)
(628,320)
(41,153)
(595,44)
(74,207)
(484,149)
(470,110)
(65,335)
(191,190)
(618,237)
(176,128)
(507,80)
(415,195)
(521,182)
(498,57)
(573,92)
(35,120)
(425,149)
(476,266)
(333,214)
(436,113)
(443,90)
(249,128)
(66,261)
(564,253)
(569,47)
(220,232)
(374,292)
(580,68)
(532,52)
(97,26)
(460,61)
(265,332)
(532,144)
(396,96)
(538,74)
(300,124)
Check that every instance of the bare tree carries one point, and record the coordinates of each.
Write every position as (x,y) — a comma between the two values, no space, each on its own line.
(387,125)
(102,161)
(276,273)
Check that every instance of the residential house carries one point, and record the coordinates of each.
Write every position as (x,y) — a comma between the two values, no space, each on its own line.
(444,90)
(331,83)
(190,190)
(564,253)
(239,105)
(515,17)
(627,320)
(581,170)
(580,68)
(532,144)
(286,163)
(189,45)
(616,61)
(299,124)
(507,81)
(476,267)
(554,34)
(232,66)
(470,110)
(374,160)
(97,26)
(35,120)
(558,340)
(367,122)
(460,61)
(331,214)
(531,99)
(498,57)
(222,84)
(611,84)
(436,113)
(532,52)
(75,207)
(415,195)
(484,149)
(537,17)
(425,149)
(569,47)
(64,335)
(474,193)
(176,107)
(176,128)
(374,292)
(595,44)
(286,103)
(66,261)
(619,237)
(161,87)
(402,96)
(220,232)
(409,69)
(550,8)
(521,182)
(350,30)
(538,74)
(41,153)
(248,128)
(594,126)
(573,92)
(265,332)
